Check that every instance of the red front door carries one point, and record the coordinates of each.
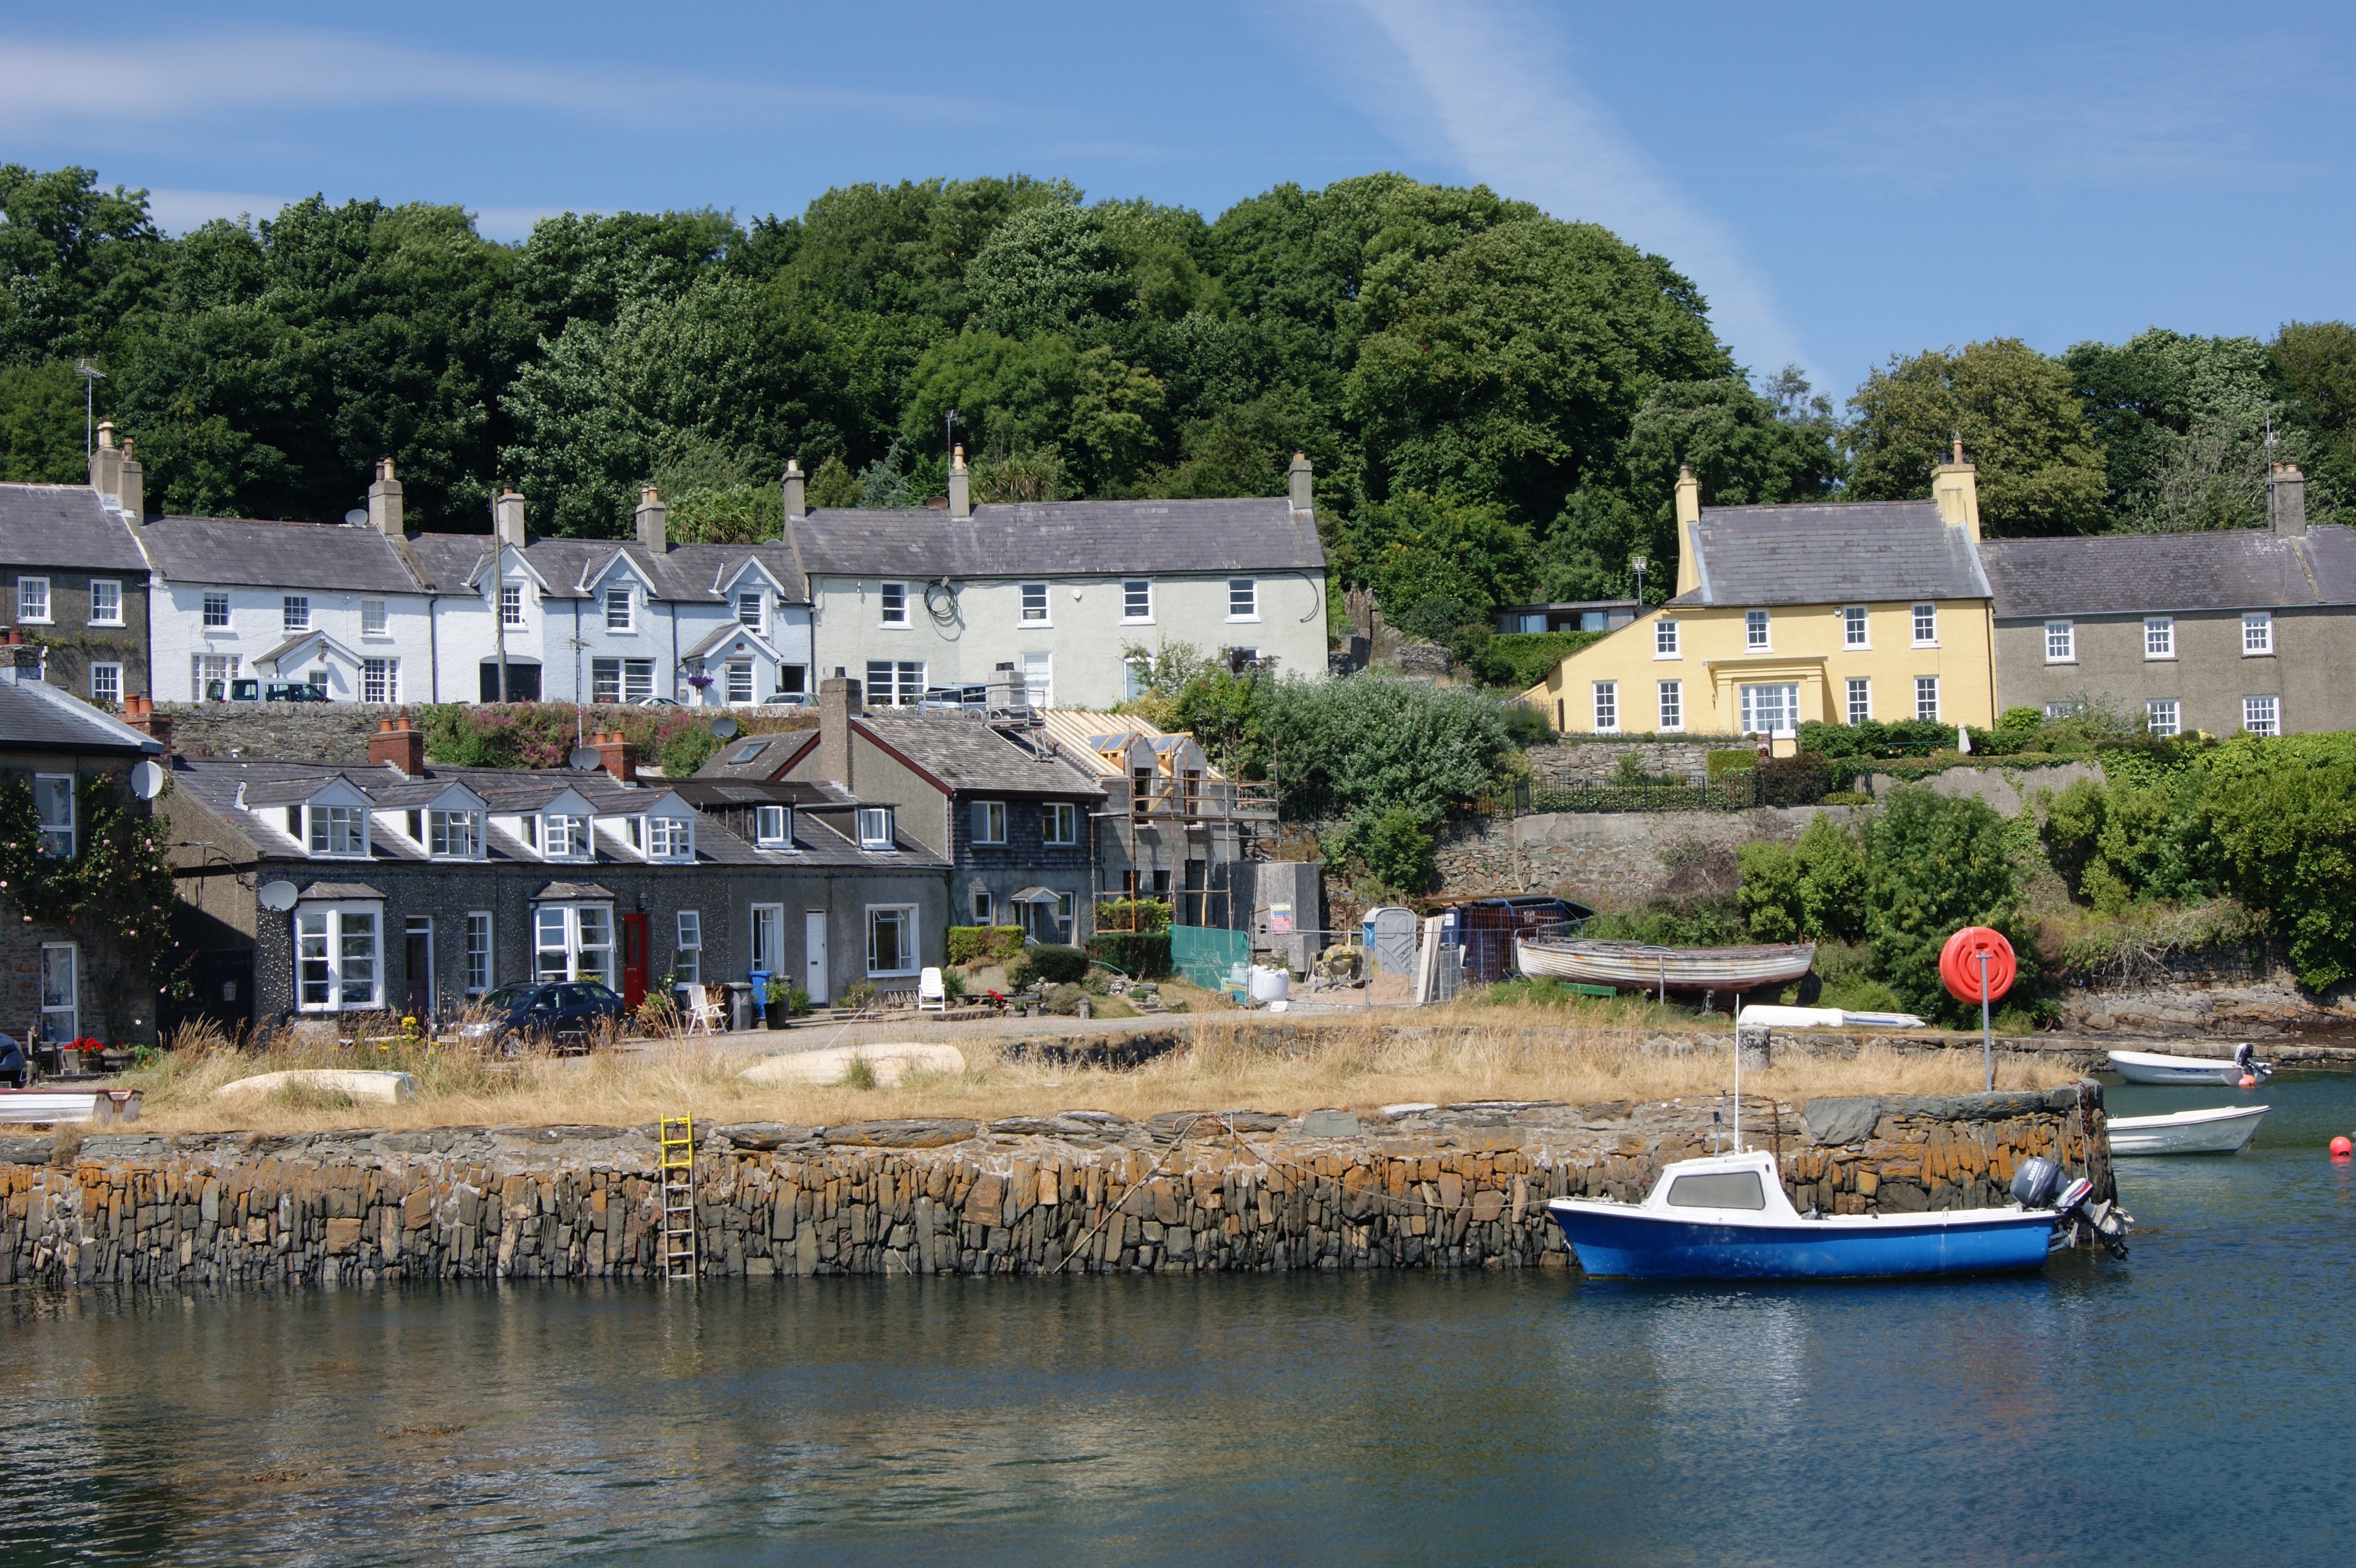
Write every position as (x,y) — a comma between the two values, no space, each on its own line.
(633,961)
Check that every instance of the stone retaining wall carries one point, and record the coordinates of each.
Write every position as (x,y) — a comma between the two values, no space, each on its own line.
(1611,860)
(338,732)
(1432,1187)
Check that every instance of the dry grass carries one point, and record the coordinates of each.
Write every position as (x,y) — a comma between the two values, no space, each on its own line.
(1497,1053)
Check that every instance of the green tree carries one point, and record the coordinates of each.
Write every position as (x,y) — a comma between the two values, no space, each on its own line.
(42,429)
(2315,373)
(2284,821)
(2183,422)
(1395,843)
(1415,549)
(1050,268)
(1375,742)
(1012,394)
(1807,891)
(2039,471)
(1933,864)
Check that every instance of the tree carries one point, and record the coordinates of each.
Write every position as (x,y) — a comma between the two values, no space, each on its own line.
(2182,424)
(2040,469)
(1049,269)
(2284,820)
(1808,891)
(2315,370)
(1010,393)
(1417,549)
(1374,742)
(1933,864)
(41,425)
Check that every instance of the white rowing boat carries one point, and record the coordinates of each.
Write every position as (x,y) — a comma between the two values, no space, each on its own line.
(1639,966)
(52,1106)
(2220,1129)
(2156,1068)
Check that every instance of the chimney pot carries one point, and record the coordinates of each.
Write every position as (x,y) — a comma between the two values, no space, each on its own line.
(106,432)
(616,756)
(960,485)
(400,743)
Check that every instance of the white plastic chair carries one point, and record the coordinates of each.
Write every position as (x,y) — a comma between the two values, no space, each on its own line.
(703,1010)
(932,996)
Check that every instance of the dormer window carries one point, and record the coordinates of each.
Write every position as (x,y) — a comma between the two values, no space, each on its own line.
(564,837)
(457,835)
(874,827)
(773,827)
(338,831)
(748,610)
(617,609)
(670,838)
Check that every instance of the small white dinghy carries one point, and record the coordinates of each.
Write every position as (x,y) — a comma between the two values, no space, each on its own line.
(2220,1129)
(2151,1067)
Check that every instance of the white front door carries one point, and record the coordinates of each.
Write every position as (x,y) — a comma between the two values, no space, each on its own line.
(814,956)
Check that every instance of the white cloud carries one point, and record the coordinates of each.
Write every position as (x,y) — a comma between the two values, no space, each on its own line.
(178,211)
(1514,118)
(512,222)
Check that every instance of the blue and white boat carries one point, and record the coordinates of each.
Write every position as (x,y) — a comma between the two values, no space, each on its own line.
(2203,1072)
(1726,1217)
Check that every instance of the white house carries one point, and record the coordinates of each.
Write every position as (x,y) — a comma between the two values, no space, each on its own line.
(909,599)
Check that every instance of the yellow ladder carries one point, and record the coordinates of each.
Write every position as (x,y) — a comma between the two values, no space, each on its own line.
(676,1137)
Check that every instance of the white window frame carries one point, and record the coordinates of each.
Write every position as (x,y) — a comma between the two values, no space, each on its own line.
(911,954)
(1059,822)
(748,609)
(892,606)
(1787,703)
(1664,640)
(114,596)
(737,676)
(2060,642)
(873,825)
(380,681)
(295,612)
(1858,698)
(2163,717)
(767,928)
(32,601)
(106,683)
(577,927)
(773,826)
(1607,707)
(510,604)
(907,676)
(1671,695)
(1857,627)
(51,792)
(1133,591)
(669,838)
(1758,634)
(1136,672)
(321,837)
(454,835)
(1039,680)
(1038,613)
(621,608)
(2257,633)
(340,961)
(482,971)
(1926,698)
(60,1021)
(984,907)
(988,820)
(198,677)
(375,619)
(2262,714)
(2158,637)
(216,604)
(1925,622)
(1244,591)
(686,951)
(578,835)
(606,679)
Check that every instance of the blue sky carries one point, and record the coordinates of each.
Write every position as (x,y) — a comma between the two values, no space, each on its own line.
(1845,182)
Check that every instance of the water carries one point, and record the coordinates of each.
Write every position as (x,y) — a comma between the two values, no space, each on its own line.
(2187,1405)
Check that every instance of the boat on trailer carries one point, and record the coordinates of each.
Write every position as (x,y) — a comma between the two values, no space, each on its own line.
(2218,1130)
(2159,1069)
(1639,966)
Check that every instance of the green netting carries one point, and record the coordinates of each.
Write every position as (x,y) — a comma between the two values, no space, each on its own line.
(1204,955)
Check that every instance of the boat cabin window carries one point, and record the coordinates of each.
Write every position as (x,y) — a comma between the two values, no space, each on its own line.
(1723,1189)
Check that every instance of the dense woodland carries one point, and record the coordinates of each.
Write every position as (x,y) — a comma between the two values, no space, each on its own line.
(1496,401)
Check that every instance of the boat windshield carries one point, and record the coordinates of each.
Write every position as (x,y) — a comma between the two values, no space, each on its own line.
(1720,1189)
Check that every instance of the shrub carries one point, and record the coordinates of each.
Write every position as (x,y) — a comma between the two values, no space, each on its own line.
(2288,836)
(1144,955)
(1396,847)
(1144,915)
(1737,760)
(1934,863)
(1049,963)
(858,993)
(1806,891)
(1712,923)
(983,944)
(1799,780)
(1064,999)
(1521,659)
(1846,798)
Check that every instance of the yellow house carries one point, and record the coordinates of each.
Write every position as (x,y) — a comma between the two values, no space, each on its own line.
(1842,611)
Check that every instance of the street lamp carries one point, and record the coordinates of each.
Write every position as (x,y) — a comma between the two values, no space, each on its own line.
(1638,563)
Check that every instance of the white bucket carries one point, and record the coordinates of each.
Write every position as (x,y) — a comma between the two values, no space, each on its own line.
(1269,985)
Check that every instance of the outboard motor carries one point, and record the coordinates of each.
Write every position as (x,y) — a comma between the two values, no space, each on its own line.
(2038,1183)
(2246,1064)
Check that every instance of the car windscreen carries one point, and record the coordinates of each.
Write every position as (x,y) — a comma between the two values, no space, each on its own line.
(508,998)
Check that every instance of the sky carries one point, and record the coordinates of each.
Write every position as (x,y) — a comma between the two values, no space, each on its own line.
(1844,182)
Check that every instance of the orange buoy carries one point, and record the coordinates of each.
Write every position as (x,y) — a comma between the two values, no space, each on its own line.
(2249,1082)
(2342,1148)
(1959,963)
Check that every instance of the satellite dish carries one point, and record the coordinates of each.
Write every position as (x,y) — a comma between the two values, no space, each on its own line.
(147,780)
(585,759)
(356,518)
(723,727)
(276,897)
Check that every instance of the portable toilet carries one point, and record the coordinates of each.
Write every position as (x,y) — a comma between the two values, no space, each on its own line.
(1390,932)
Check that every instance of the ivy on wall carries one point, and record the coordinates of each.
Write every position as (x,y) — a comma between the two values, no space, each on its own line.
(115,896)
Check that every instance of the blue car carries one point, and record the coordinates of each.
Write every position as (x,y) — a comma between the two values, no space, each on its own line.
(563,1014)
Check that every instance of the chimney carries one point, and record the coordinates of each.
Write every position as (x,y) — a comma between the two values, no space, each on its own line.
(106,466)
(617,757)
(384,501)
(140,713)
(796,489)
(837,704)
(509,512)
(24,661)
(960,485)
(650,522)
(1305,500)
(1688,493)
(2287,500)
(131,487)
(400,743)
(1957,489)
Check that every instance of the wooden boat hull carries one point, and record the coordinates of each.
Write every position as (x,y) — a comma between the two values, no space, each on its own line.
(1636,967)
(2153,1068)
(1622,1240)
(2221,1130)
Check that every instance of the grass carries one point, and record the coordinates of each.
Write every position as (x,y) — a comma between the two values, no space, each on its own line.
(1520,1052)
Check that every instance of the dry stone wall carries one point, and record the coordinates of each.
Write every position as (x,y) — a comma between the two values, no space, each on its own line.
(1430,1186)
(1611,860)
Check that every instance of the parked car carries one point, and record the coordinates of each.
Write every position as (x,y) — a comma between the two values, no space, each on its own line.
(660,702)
(562,1013)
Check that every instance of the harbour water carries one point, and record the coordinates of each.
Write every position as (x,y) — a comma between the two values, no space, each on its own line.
(2185,1405)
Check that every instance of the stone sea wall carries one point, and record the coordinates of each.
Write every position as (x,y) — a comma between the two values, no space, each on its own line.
(1414,1186)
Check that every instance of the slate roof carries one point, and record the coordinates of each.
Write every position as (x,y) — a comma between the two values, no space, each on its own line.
(967,754)
(2114,574)
(762,754)
(1062,538)
(64,525)
(691,573)
(230,551)
(1835,553)
(35,716)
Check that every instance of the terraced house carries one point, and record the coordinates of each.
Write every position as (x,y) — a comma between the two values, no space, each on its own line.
(73,583)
